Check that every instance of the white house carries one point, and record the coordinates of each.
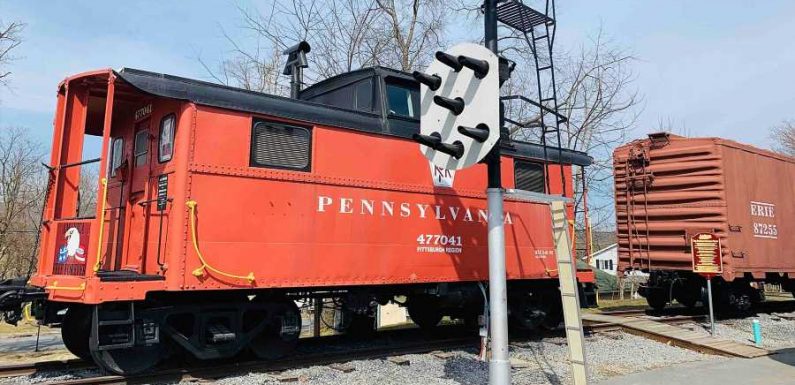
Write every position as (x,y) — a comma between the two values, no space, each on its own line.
(606,259)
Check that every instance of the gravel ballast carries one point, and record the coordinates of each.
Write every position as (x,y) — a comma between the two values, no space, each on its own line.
(542,361)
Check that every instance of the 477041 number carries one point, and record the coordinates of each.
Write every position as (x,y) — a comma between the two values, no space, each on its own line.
(440,240)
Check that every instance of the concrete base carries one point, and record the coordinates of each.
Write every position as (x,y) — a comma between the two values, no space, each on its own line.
(775,369)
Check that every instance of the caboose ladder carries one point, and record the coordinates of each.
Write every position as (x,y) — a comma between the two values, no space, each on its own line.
(567,275)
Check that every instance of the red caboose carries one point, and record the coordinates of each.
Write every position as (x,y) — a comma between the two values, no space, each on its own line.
(218,207)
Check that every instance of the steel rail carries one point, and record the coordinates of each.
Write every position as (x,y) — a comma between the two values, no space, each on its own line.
(293,362)
(28,369)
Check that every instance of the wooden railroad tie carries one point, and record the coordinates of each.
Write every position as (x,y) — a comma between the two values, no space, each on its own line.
(520,364)
(343,367)
(400,361)
(442,355)
(290,378)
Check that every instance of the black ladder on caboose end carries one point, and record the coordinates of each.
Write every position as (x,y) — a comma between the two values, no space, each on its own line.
(541,28)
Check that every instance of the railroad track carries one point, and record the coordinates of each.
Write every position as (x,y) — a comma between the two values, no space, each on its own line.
(222,370)
(27,369)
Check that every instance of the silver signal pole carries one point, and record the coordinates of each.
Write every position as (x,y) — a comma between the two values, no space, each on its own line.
(499,365)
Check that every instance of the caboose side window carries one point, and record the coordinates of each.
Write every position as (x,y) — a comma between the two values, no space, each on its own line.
(280,146)
(141,147)
(403,100)
(165,148)
(528,176)
(116,152)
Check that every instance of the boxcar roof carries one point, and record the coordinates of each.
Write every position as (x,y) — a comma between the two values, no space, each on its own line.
(216,95)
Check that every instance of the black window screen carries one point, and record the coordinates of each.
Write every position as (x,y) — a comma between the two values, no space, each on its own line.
(529,176)
(280,146)
(364,96)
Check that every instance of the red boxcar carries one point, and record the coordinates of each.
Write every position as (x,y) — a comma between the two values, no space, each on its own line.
(669,188)
(218,207)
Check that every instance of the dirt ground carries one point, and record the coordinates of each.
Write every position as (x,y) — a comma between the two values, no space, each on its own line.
(11,336)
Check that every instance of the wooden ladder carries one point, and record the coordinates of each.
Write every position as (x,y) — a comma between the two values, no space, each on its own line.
(567,275)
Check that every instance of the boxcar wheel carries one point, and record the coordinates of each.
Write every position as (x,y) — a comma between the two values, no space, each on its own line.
(129,361)
(76,331)
(657,300)
(280,336)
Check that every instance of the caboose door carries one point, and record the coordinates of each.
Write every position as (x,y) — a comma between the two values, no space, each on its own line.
(138,202)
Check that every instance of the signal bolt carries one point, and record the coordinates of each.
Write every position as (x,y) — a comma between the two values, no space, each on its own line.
(479,133)
(456,106)
(450,60)
(432,81)
(480,67)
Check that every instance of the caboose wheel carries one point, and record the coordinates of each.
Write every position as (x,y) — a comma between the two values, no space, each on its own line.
(280,336)
(424,311)
(128,361)
(76,331)
(531,310)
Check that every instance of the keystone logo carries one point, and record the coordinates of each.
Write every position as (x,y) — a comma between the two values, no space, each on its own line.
(441,176)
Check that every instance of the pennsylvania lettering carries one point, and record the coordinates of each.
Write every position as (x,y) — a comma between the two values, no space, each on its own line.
(351,206)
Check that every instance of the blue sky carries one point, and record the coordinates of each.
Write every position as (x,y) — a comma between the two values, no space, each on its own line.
(718,68)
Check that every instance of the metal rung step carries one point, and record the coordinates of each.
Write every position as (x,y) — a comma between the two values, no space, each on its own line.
(544,68)
(547,99)
(540,37)
(521,17)
(116,322)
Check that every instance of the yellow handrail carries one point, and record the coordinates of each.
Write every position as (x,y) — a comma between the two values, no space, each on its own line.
(73,288)
(201,270)
(98,264)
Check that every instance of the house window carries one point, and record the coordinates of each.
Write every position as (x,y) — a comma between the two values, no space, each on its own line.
(141,147)
(278,145)
(116,152)
(529,176)
(165,148)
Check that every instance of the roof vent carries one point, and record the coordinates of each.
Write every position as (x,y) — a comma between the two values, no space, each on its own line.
(659,139)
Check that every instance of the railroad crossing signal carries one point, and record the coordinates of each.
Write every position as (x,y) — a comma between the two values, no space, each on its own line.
(460,111)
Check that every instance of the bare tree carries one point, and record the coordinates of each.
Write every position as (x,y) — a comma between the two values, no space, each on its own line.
(10,38)
(22,184)
(596,94)
(411,33)
(670,125)
(783,137)
(345,35)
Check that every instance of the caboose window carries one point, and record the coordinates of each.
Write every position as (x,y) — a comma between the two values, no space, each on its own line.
(280,146)
(116,152)
(528,176)
(165,148)
(141,147)
(403,101)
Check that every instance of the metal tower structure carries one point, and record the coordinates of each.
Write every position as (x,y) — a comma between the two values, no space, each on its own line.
(539,29)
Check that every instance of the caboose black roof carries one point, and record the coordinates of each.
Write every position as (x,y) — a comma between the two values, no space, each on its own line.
(216,95)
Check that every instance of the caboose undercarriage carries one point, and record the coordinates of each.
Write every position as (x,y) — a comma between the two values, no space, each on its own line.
(133,336)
